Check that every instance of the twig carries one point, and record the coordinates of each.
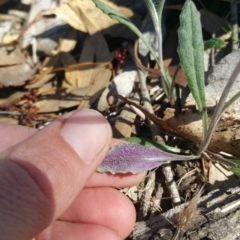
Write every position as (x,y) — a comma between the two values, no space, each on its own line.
(146,101)
(10,113)
(154,127)
(153,71)
(147,195)
(171,184)
(220,158)
(167,170)
(150,180)
(158,121)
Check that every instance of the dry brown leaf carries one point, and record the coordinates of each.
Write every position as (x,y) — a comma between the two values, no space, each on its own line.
(83,97)
(22,68)
(76,78)
(9,100)
(8,39)
(9,65)
(46,73)
(100,80)
(85,72)
(72,77)
(14,57)
(81,74)
(41,78)
(189,126)
(42,81)
(16,75)
(85,77)
(83,66)
(88,51)
(125,123)
(219,174)
(46,91)
(9,120)
(102,52)
(55,105)
(80,94)
(68,43)
(71,13)
(87,55)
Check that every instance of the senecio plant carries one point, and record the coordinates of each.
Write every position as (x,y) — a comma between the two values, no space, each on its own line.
(136,158)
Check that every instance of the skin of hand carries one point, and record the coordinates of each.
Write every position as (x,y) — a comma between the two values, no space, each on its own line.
(48,185)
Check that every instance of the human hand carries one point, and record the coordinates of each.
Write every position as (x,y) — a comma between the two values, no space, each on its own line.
(48,185)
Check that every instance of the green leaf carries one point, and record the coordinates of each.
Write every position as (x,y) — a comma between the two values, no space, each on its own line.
(127,22)
(236,170)
(157,22)
(191,51)
(215,43)
(170,82)
(230,101)
(150,143)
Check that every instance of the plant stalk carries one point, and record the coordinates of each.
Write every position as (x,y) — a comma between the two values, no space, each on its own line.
(218,111)
(157,22)
(234,20)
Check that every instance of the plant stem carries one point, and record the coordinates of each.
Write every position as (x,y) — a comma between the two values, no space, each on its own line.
(157,22)
(159,36)
(234,20)
(160,10)
(204,121)
(158,29)
(218,110)
(231,101)
(160,56)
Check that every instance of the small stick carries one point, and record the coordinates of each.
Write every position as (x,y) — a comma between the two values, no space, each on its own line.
(153,71)
(151,116)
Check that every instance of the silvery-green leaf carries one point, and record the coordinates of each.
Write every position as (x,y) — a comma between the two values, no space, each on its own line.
(191,52)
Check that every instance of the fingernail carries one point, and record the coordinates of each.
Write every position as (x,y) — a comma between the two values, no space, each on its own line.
(87,132)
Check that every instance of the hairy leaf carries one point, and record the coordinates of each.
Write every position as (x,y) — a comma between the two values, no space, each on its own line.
(191,50)
(134,158)
(215,43)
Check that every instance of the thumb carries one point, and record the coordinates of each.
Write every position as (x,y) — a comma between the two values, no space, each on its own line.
(41,176)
